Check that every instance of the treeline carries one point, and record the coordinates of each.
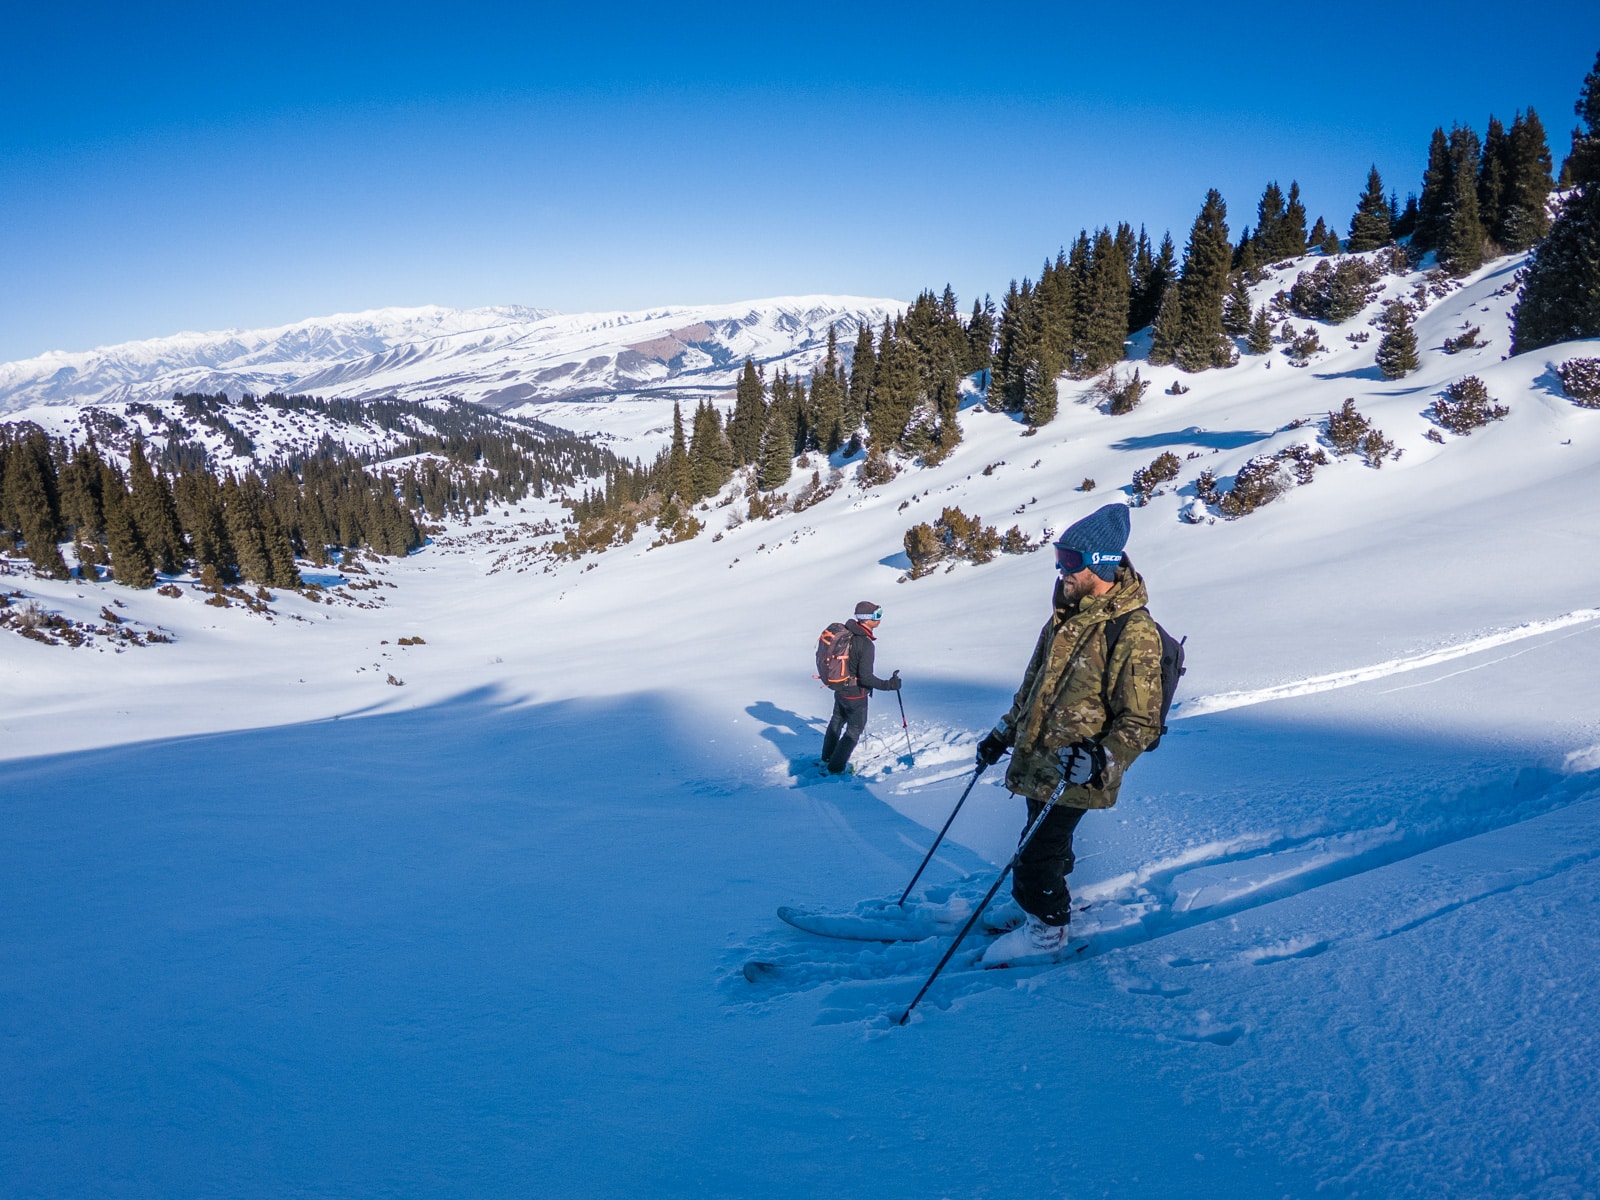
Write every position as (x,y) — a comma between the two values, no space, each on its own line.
(1560,298)
(138,522)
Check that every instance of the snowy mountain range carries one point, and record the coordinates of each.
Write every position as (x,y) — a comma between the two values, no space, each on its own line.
(499,357)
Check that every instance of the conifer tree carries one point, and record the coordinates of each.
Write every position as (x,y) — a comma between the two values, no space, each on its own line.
(980,336)
(1397,352)
(679,481)
(1202,342)
(198,495)
(1236,306)
(1523,218)
(1103,304)
(154,513)
(130,560)
(710,455)
(1560,298)
(1330,244)
(1319,233)
(1166,329)
(31,501)
(863,365)
(1291,236)
(1461,244)
(1245,259)
(1058,298)
(1494,168)
(749,419)
(1269,214)
(1369,228)
(827,399)
(1259,340)
(1038,390)
(1152,275)
(776,462)
(1406,223)
(1432,208)
(894,388)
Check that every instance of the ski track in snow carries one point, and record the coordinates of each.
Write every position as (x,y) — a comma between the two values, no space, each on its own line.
(873,981)
(1223,701)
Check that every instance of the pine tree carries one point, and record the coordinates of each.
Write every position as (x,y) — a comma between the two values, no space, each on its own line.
(1104,305)
(1291,237)
(1369,228)
(827,399)
(1038,391)
(130,560)
(1206,260)
(1397,352)
(710,455)
(680,484)
(1269,214)
(1406,223)
(154,513)
(1244,254)
(1166,328)
(1560,298)
(1259,340)
(894,389)
(1432,217)
(31,500)
(1523,218)
(1236,306)
(863,365)
(749,419)
(200,513)
(1494,168)
(980,336)
(1151,275)
(1461,245)
(776,461)
(1319,232)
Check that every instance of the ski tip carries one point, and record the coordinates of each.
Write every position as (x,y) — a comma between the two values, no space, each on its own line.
(755,970)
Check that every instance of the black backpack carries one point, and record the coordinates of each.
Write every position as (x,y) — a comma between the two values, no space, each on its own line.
(1172,667)
(833,656)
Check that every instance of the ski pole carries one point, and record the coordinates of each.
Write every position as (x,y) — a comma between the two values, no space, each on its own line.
(942,832)
(910,753)
(973,920)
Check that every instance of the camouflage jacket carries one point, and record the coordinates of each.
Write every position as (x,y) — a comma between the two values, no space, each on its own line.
(1063,697)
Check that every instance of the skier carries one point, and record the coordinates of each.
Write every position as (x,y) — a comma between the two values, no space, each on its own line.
(850,697)
(1079,719)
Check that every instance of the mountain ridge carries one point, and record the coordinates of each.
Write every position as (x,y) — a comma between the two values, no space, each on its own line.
(501,356)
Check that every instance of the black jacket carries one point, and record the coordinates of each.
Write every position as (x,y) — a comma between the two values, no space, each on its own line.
(862,654)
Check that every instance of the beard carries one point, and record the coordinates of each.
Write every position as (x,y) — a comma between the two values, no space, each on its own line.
(1077,586)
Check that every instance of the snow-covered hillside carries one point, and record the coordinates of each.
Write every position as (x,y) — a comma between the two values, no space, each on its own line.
(500,357)
(290,907)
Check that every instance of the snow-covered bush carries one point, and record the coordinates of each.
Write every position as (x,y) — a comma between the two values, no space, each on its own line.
(1146,480)
(1580,379)
(1348,431)
(1335,293)
(1466,405)
(1122,394)
(1267,476)
(955,535)
(1464,341)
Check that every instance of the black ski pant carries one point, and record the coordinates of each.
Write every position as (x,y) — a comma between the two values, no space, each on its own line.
(849,719)
(1039,880)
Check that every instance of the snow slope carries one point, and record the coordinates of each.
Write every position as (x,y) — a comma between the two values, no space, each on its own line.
(274,926)
(501,357)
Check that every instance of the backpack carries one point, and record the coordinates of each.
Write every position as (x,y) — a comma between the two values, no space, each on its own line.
(833,657)
(1172,667)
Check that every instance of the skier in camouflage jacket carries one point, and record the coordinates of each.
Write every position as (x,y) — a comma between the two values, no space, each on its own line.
(1081,716)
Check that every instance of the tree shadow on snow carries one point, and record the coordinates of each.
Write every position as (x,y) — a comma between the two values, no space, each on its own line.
(1195,436)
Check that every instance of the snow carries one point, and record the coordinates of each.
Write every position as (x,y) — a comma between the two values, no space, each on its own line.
(500,357)
(272,926)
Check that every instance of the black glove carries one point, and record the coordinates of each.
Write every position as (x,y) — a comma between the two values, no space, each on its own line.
(893,682)
(995,743)
(1082,763)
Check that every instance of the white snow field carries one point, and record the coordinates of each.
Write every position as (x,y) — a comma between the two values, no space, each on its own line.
(270,926)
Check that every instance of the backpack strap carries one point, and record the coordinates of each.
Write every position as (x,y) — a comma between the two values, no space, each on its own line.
(1114,629)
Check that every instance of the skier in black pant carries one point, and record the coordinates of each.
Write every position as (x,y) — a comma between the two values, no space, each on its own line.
(850,697)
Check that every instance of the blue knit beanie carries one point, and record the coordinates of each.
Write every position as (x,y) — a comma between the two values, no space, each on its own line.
(1100,538)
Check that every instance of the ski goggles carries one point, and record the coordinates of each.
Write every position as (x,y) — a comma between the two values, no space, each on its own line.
(1070,562)
(875,615)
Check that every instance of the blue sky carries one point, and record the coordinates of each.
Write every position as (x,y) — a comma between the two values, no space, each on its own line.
(184,166)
